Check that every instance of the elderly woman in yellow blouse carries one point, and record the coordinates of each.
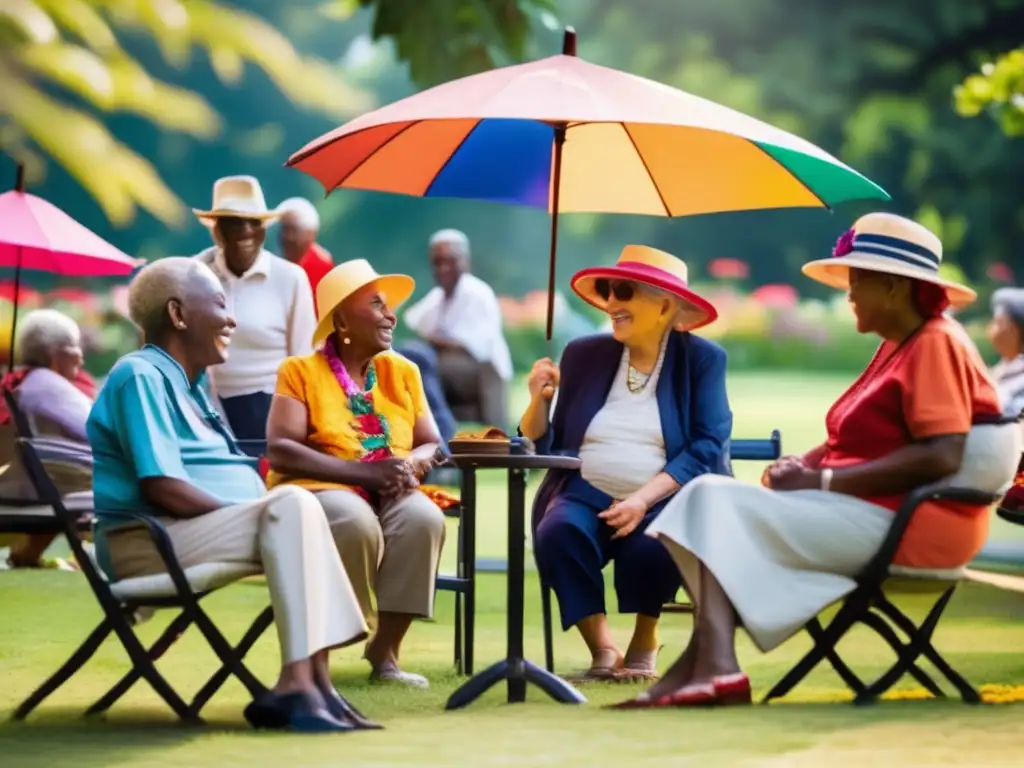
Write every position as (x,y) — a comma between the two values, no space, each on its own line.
(350,422)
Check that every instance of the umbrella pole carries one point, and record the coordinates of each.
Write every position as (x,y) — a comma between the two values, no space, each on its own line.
(14,310)
(19,186)
(553,255)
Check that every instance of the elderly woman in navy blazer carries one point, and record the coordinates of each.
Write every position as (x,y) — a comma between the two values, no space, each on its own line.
(646,411)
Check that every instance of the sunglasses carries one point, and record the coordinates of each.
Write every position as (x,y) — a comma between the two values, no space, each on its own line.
(623,289)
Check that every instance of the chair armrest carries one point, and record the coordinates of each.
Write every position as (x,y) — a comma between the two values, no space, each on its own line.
(56,450)
(161,539)
(878,567)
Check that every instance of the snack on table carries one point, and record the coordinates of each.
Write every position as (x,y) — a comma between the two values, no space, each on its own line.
(491,433)
(490,440)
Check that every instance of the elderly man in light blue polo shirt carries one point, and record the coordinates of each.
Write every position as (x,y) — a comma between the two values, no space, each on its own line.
(159,447)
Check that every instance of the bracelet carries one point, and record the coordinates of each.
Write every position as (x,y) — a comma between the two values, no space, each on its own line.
(826,479)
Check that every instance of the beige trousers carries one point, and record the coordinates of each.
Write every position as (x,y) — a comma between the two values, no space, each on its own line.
(393,553)
(285,532)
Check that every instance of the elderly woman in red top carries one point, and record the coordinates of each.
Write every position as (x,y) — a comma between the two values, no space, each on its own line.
(770,559)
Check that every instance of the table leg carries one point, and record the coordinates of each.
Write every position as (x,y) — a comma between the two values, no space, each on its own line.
(467,527)
(514,582)
(514,668)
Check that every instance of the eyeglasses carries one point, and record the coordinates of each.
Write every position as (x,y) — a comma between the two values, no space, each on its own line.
(623,289)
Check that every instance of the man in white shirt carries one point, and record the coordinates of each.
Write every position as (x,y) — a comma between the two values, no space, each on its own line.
(461,321)
(270,298)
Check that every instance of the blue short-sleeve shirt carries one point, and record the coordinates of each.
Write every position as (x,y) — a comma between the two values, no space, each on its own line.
(150,421)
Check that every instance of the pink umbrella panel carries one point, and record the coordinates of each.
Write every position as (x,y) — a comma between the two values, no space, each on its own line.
(38,236)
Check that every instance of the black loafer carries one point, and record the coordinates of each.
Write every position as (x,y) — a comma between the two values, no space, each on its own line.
(341,709)
(304,716)
(265,711)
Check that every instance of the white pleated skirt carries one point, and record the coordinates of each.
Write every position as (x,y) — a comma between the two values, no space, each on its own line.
(780,556)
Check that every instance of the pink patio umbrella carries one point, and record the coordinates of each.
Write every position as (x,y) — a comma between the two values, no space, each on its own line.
(36,235)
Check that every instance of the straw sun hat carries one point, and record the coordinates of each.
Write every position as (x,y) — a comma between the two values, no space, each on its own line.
(236,197)
(347,278)
(885,242)
(648,266)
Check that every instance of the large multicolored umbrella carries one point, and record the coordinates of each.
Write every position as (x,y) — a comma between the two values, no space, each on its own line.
(36,235)
(566,135)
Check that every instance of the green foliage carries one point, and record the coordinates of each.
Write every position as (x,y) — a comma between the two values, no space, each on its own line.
(999,90)
(445,39)
(64,61)
(66,67)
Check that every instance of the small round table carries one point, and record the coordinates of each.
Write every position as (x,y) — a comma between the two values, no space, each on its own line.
(517,670)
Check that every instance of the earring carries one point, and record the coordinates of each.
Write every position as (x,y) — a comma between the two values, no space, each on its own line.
(346,340)
(180,326)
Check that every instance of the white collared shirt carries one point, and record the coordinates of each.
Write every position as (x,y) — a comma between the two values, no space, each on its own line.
(471,317)
(273,306)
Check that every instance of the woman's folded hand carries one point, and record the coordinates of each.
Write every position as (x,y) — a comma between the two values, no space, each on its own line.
(793,476)
(386,475)
(624,516)
(779,468)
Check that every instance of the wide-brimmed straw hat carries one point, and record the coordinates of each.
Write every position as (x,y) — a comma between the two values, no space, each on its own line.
(237,197)
(347,278)
(648,266)
(885,242)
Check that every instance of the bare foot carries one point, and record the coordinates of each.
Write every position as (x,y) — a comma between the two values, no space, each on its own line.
(676,676)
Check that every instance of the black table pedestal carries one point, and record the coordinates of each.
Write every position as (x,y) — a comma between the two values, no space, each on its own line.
(517,670)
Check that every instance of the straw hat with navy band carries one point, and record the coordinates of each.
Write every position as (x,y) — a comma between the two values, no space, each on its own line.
(347,278)
(885,242)
(648,266)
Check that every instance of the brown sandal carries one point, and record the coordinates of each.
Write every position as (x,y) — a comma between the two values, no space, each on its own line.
(641,667)
(606,665)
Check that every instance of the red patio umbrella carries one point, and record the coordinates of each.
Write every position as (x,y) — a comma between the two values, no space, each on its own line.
(37,235)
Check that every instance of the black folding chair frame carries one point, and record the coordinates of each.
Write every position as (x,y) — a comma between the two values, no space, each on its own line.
(119,615)
(868,605)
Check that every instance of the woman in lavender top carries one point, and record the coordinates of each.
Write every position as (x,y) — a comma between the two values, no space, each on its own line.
(49,350)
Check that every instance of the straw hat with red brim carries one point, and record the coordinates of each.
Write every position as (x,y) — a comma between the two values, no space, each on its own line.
(657,269)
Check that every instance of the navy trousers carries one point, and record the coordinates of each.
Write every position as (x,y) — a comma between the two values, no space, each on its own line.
(572,545)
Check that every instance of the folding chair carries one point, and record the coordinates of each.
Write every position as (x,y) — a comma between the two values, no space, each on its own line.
(178,588)
(742,450)
(869,605)
(31,516)
(463,583)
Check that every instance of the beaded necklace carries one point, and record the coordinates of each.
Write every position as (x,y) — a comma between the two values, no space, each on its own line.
(372,428)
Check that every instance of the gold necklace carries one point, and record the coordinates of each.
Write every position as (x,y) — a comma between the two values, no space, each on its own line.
(636,382)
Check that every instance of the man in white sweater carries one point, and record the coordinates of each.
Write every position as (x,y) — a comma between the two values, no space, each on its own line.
(460,320)
(270,298)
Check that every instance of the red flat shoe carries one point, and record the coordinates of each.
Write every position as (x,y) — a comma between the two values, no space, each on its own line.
(732,689)
(688,696)
(700,695)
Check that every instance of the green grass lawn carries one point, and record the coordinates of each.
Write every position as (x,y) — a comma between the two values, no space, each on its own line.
(44,615)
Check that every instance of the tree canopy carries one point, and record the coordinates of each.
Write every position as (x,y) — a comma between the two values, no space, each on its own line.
(68,66)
